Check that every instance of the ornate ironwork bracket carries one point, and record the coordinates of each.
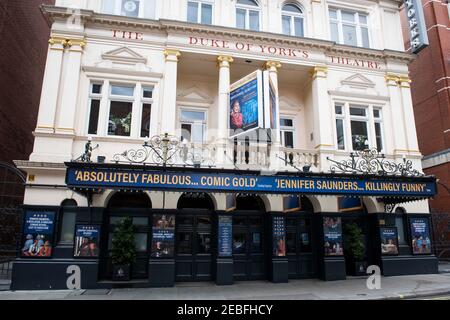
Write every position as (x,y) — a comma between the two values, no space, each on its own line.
(370,161)
(167,150)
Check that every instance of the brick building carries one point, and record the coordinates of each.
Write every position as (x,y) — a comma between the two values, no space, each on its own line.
(430,74)
(24,33)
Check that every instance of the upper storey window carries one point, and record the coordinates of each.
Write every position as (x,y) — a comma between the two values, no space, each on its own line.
(349,27)
(292,20)
(130,8)
(247,15)
(199,12)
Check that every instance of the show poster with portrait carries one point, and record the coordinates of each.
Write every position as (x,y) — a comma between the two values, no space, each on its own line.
(225,236)
(246,109)
(332,234)
(87,239)
(37,241)
(270,103)
(163,235)
(389,240)
(420,235)
(278,236)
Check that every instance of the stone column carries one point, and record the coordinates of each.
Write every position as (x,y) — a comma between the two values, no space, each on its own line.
(222,112)
(398,131)
(50,85)
(69,97)
(408,114)
(169,98)
(322,111)
(319,29)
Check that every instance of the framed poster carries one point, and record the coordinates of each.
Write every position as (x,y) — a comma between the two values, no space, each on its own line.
(270,103)
(278,236)
(332,236)
(163,235)
(87,241)
(231,204)
(346,204)
(246,104)
(291,203)
(38,234)
(389,241)
(225,236)
(420,235)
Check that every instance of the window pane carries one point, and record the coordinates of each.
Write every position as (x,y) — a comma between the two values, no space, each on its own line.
(348,16)
(334,32)
(96,88)
(140,221)
(240,18)
(256,242)
(130,8)
(291,8)
(378,136)
(290,242)
(362,18)
(184,240)
(197,132)
(349,35)
(120,118)
(254,20)
(333,14)
(140,242)
(145,121)
(239,242)
(298,25)
(68,224)
(192,116)
(147,93)
(376,113)
(305,241)
(400,230)
(289,139)
(286,122)
(247,2)
(93,116)
(340,134)
(365,37)
(286,22)
(192,12)
(358,112)
(359,135)
(338,109)
(204,243)
(122,91)
(186,132)
(206,13)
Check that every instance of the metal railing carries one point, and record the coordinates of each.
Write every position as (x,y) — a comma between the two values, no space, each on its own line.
(6,264)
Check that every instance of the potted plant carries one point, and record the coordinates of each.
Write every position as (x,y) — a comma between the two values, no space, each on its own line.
(355,249)
(123,252)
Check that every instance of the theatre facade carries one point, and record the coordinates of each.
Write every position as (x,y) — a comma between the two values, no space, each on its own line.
(242,148)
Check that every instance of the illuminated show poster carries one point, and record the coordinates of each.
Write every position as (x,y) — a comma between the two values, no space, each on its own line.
(332,234)
(389,240)
(246,104)
(87,238)
(420,235)
(279,236)
(163,235)
(37,240)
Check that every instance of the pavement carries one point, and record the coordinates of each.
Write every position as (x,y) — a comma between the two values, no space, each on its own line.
(399,287)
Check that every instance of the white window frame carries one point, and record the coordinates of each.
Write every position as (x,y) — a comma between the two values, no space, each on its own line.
(204,122)
(247,9)
(132,99)
(340,22)
(142,10)
(284,129)
(94,96)
(292,16)
(369,119)
(143,101)
(199,10)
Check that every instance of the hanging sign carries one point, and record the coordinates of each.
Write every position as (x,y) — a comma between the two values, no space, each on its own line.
(416,25)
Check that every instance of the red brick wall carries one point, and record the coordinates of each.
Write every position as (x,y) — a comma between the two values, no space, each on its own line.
(24,34)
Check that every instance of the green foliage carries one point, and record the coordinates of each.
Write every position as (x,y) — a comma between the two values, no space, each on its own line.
(354,243)
(123,250)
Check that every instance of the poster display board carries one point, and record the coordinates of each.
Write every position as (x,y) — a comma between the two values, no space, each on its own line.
(270,103)
(278,236)
(163,235)
(230,202)
(332,234)
(225,236)
(246,104)
(389,241)
(420,235)
(291,203)
(38,234)
(87,241)
(346,204)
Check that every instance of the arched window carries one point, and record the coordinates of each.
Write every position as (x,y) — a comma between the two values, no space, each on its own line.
(292,20)
(68,220)
(130,8)
(247,15)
